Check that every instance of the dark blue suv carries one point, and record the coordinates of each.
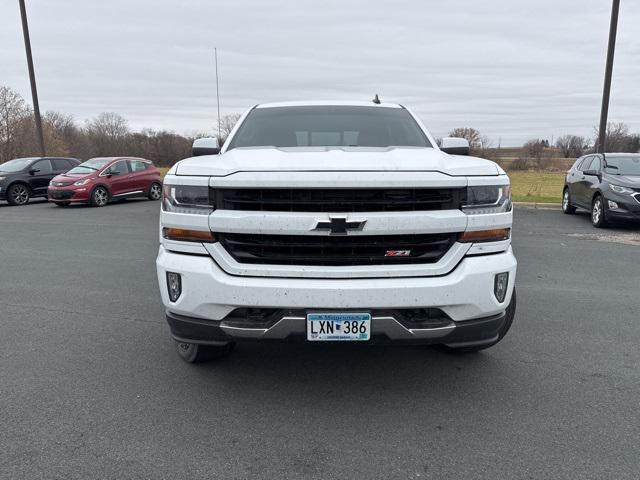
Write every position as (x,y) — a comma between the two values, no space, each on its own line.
(25,178)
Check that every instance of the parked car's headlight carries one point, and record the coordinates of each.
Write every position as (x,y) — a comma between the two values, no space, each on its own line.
(2,178)
(621,189)
(79,183)
(487,199)
(187,199)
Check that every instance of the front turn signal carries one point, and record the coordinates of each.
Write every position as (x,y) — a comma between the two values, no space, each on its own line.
(495,235)
(183,235)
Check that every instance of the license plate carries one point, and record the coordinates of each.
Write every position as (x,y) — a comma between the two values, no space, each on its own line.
(341,327)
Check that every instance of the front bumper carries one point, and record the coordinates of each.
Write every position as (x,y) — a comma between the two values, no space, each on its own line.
(628,206)
(384,329)
(209,294)
(68,194)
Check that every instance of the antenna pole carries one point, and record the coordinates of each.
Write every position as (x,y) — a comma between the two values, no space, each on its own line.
(215,51)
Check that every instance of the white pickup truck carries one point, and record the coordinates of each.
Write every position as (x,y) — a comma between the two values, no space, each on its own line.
(335,221)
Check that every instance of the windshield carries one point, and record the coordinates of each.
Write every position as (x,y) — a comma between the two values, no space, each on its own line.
(16,165)
(93,165)
(329,126)
(623,165)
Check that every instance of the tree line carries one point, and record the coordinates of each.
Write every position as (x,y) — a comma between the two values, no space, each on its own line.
(618,139)
(107,134)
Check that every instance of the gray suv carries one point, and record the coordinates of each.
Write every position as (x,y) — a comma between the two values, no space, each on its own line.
(607,184)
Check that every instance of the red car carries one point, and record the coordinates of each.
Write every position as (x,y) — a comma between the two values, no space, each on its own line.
(100,180)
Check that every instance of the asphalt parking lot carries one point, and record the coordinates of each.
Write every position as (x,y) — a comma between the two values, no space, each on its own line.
(90,385)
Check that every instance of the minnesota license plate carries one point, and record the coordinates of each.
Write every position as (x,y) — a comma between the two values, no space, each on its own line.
(341,327)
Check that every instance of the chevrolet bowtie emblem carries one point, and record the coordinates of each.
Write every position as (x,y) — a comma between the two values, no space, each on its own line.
(340,225)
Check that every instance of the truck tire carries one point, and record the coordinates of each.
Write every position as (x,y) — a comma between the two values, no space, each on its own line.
(194,353)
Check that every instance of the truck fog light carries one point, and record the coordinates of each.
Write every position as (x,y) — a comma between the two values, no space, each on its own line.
(500,286)
(174,286)
(612,205)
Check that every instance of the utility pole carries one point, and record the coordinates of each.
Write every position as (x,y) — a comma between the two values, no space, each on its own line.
(32,77)
(604,112)
(215,51)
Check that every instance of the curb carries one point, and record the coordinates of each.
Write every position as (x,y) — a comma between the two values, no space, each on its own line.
(545,206)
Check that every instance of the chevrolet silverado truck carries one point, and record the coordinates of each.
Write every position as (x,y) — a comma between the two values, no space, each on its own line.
(335,222)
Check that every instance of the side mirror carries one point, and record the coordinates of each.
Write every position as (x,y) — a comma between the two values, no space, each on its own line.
(33,171)
(593,173)
(110,172)
(205,146)
(455,146)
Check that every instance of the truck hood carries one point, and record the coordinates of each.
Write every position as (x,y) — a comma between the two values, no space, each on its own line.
(340,159)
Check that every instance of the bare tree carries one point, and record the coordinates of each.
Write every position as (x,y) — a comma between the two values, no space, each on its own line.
(537,149)
(618,138)
(227,122)
(633,143)
(478,143)
(107,134)
(470,134)
(13,112)
(572,146)
(485,144)
(162,147)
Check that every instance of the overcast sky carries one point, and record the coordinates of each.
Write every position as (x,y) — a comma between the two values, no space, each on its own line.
(514,69)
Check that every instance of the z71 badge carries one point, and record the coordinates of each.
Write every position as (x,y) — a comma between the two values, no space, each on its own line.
(397,253)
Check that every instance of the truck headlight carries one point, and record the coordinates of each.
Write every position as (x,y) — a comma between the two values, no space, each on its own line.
(621,189)
(483,199)
(191,199)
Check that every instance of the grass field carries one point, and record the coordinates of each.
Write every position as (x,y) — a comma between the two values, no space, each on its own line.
(537,187)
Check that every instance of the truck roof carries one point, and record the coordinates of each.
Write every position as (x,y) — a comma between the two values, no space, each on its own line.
(330,103)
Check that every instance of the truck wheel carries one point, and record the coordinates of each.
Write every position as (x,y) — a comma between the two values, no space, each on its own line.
(510,313)
(194,353)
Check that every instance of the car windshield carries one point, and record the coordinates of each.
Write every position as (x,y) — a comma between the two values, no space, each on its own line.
(16,165)
(329,126)
(89,166)
(623,165)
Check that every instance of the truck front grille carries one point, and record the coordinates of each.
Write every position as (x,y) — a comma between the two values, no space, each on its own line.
(336,250)
(339,200)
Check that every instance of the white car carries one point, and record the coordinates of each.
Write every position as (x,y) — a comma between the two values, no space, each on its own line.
(335,221)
